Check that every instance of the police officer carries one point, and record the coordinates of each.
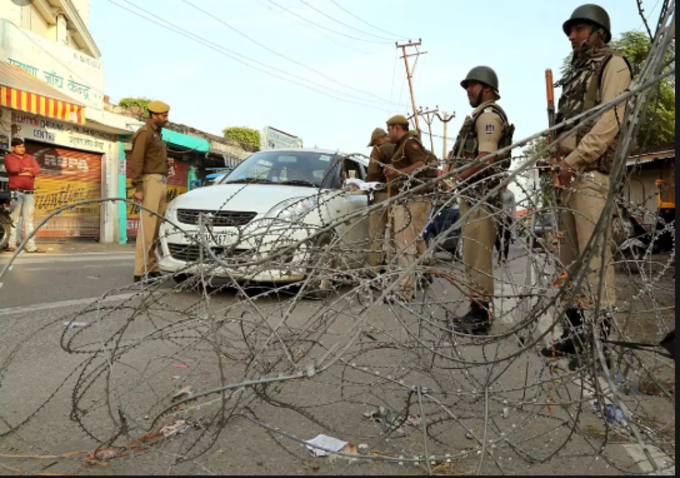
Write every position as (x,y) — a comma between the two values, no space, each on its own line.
(381,154)
(485,131)
(149,165)
(598,75)
(410,166)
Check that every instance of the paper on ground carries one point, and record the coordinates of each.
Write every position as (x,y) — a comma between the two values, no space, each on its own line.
(324,441)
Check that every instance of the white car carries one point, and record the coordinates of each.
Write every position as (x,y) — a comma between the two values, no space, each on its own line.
(272,200)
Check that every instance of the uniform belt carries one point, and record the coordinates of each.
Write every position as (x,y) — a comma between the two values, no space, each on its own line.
(23,191)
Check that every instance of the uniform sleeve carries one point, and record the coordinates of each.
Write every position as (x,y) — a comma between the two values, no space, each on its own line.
(415,152)
(141,144)
(489,130)
(615,80)
(373,173)
(35,169)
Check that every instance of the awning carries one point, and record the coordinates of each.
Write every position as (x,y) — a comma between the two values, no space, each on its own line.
(23,91)
(185,144)
(650,158)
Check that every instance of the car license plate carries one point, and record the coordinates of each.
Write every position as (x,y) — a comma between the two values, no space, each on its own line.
(221,239)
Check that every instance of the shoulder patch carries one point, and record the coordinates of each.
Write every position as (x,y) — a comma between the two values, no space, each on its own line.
(414,145)
(490,129)
(488,110)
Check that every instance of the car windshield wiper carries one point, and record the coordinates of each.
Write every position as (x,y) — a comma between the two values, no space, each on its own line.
(251,181)
(299,182)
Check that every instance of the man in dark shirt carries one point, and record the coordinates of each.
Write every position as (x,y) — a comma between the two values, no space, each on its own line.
(149,165)
(22,169)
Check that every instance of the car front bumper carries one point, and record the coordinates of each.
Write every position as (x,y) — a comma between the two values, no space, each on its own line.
(260,248)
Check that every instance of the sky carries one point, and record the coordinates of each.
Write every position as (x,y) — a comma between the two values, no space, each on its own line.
(347,60)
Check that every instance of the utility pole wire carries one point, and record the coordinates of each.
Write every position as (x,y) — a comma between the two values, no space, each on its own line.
(326,28)
(328,77)
(234,56)
(343,24)
(364,21)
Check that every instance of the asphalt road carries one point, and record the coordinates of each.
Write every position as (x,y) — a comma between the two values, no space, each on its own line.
(40,291)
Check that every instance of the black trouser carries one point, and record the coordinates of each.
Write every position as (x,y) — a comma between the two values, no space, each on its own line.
(503,238)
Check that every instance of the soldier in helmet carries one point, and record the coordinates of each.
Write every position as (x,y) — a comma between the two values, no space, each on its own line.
(484,132)
(149,165)
(410,166)
(382,153)
(598,75)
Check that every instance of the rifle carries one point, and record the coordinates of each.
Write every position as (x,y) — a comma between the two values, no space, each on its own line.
(552,135)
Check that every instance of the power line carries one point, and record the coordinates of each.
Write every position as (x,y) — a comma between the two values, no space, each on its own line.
(364,21)
(280,54)
(233,55)
(344,24)
(306,25)
(326,28)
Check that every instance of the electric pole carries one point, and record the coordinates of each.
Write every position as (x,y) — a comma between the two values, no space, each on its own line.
(409,72)
(428,121)
(445,120)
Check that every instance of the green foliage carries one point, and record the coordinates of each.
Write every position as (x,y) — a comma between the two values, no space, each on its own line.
(531,149)
(659,128)
(247,137)
(139,102)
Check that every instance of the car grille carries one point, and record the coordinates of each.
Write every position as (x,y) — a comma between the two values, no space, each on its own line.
(191,253)
(220,218)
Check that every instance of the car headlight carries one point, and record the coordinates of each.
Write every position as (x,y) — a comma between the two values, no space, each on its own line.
(170,210)
(293,209)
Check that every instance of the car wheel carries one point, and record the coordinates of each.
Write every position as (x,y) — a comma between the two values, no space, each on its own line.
(322,258)
(4,235)
(180,278)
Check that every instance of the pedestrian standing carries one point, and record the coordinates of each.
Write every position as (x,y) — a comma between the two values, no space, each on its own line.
(484,132)
(149,165)
(381,154)
(22,169)
(598,75)
(505,224)
(410,165)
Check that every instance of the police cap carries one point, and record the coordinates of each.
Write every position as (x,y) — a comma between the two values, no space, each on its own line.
(376,135)
(158,107)
(397,119)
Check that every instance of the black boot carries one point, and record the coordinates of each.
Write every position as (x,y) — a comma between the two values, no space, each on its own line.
(566,344)
(476,322)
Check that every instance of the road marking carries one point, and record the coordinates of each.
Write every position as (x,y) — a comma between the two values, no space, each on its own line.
(22,261)
(664,462)
(64,303)
(81,267)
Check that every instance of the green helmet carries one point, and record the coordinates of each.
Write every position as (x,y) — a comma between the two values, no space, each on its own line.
(482,74)
(590,13)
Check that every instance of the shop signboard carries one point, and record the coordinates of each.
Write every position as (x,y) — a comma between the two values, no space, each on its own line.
(70,71)
(67,176)
(273,138)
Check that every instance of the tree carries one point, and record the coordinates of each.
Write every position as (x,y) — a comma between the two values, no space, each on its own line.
(246,137)
(141,102)
(659,128)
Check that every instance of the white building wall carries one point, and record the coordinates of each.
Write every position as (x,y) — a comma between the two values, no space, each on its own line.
(11,10)
(83,7)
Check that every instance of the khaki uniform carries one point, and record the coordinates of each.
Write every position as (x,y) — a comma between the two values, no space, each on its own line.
(380,156)
(479,229)
(590,150)
(149,165)
(409,219)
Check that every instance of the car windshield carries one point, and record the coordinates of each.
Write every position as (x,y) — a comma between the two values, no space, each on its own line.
(283,167)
